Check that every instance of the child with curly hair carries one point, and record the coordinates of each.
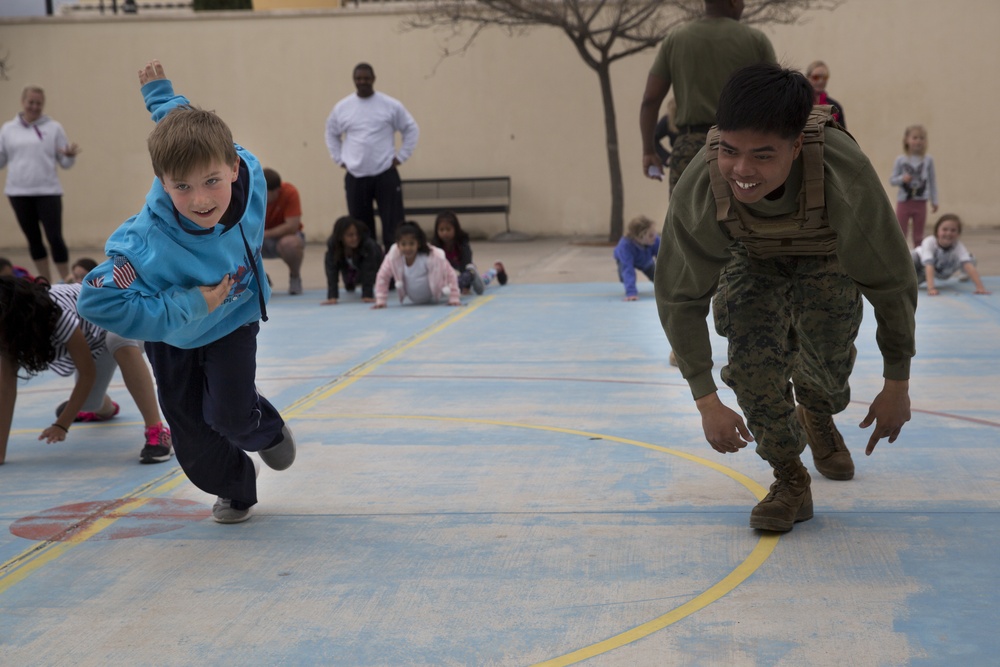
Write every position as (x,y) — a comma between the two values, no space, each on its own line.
(40,330)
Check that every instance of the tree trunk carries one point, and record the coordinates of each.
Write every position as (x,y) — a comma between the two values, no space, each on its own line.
(614,159)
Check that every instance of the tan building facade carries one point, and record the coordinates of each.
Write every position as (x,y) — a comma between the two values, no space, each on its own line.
(525,107)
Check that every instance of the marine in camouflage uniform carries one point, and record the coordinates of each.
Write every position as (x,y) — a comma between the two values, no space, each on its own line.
(784,265)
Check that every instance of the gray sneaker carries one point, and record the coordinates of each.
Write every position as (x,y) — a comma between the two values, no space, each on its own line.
(477,280)
(280,456)
(295,285)
(223,512)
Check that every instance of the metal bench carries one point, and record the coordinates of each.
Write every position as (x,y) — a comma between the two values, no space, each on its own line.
(430,196)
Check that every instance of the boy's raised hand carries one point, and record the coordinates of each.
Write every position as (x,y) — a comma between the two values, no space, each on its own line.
(216,294)
(153,71)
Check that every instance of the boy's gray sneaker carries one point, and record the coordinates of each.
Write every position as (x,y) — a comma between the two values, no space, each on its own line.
(223,512)
(280,456)
(295,285)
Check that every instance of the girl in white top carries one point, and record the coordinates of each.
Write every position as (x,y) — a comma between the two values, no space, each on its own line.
(942,255)
(40,329)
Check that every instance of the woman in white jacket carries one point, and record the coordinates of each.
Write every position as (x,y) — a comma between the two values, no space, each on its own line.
(420,271)
(30,147)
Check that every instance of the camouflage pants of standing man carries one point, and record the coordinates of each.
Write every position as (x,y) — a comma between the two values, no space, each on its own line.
(682,151)
(791,324)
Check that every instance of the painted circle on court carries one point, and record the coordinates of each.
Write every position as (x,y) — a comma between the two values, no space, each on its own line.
(110,519)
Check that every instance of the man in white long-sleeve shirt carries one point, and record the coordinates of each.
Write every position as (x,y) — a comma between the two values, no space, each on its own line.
(361,135)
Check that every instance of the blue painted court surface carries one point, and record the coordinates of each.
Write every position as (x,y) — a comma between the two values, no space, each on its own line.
(520,481)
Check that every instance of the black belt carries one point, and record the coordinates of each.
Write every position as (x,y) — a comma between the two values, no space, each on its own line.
(695,129)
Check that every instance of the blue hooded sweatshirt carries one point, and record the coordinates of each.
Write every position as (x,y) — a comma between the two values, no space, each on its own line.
(632,255)
(149,289)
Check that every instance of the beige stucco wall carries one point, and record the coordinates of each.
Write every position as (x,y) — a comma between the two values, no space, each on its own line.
(522,106)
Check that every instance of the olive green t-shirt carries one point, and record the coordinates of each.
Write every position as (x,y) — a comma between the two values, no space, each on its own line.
(699,57)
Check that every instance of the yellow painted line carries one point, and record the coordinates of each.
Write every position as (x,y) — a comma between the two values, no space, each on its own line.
(345,380)
(760,553)
(19,567)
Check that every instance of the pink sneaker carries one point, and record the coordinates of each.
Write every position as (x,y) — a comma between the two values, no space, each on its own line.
(159,446)
(94,417)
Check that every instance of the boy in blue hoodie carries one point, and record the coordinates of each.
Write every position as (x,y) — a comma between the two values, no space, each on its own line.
(185,275)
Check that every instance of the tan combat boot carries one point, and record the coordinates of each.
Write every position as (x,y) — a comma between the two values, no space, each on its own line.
(830,454)
(789,500)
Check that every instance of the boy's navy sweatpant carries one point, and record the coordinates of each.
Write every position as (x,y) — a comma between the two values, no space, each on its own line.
(215,414)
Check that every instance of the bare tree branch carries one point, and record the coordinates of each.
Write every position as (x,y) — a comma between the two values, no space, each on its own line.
(602,31)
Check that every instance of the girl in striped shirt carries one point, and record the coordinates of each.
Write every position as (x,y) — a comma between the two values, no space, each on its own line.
(39,330)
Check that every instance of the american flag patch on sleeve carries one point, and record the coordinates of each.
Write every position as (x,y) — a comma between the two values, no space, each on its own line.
(123,273)
(96,282)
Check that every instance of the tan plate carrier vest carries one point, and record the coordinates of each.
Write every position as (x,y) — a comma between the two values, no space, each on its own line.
(805,232)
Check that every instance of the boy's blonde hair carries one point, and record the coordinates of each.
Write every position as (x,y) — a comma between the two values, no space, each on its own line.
(906,135)
(638,226)
(189,138)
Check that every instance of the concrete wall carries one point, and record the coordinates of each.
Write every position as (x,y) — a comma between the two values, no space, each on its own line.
(522,106)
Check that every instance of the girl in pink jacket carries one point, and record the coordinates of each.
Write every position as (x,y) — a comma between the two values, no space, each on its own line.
(420,271)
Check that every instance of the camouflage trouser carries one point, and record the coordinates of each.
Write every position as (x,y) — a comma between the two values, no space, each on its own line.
(683,149)
(790,321)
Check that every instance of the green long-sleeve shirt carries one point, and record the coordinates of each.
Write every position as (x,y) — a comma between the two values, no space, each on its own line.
(870,247)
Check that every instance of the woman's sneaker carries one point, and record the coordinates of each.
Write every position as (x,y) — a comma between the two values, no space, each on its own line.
(159,447)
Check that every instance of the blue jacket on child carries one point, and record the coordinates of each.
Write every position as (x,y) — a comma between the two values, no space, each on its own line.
(149,289)
(632,255)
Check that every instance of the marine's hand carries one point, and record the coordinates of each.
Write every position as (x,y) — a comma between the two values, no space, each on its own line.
(53,434)
(724,428)
(216,294)
(932,291)
(889,411)
(153,71)
(982,290)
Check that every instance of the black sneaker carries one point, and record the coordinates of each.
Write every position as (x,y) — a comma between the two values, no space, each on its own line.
(501,273)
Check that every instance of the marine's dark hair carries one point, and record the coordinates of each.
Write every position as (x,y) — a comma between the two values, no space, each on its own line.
(765,98)
(28,317)
(336,241)
(410,228)
(461,236)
